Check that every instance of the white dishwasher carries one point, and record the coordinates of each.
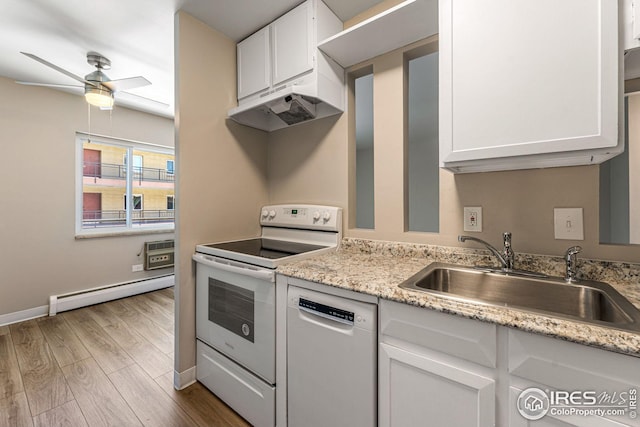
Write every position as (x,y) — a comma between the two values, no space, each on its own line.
(332,363)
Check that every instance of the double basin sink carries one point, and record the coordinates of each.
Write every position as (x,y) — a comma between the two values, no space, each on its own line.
(585,301)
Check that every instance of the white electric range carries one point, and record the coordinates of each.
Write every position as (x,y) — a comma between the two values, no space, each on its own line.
(235,303)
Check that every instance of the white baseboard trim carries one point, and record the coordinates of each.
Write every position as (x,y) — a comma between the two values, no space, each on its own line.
(21,316)
(65,302)
(184,379)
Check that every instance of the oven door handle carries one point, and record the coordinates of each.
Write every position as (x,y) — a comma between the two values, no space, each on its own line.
(235,267)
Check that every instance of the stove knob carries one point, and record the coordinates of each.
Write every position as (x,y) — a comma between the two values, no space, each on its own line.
(316,216)
(265,213)
(326,216)
(272,214)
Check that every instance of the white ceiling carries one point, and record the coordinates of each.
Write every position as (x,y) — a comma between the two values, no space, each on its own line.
(137,36)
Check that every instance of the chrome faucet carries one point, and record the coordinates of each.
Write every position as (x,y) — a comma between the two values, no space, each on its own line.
(507,256)
(571,259)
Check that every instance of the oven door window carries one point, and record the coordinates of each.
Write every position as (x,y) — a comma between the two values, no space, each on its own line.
(232,308)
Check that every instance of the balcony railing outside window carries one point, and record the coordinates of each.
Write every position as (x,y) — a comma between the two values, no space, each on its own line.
(113,171)
(110,218)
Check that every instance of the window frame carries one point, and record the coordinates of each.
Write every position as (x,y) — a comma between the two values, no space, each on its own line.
(129,227)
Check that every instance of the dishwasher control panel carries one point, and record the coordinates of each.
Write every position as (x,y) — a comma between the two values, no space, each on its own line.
(337,309)
(326,311)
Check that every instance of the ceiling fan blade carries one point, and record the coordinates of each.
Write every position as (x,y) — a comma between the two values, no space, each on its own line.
(128,83)
(55,67)
(130,96)
(47,84)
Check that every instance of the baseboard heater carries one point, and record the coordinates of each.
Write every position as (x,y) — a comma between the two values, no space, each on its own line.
(71,301)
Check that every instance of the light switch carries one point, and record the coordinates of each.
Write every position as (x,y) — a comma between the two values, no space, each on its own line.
(472,219)
(568,224)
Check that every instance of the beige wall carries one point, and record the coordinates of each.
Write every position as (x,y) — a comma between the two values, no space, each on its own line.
(39,255)
(310,163)
(221,179)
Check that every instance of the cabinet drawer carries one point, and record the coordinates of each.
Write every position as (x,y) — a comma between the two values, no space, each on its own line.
(569,366)
(464,338)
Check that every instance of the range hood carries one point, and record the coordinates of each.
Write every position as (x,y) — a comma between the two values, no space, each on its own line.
(286,107)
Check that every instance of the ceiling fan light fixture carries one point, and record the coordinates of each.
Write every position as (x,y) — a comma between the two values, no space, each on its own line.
(99,97)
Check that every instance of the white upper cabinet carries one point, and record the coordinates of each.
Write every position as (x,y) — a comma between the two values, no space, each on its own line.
(292,43)
(532,83)
(283,79)
(276,53)
(254,64)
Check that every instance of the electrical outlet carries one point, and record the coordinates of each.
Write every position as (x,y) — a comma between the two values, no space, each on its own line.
(473,219)
(568,224)
(137,267)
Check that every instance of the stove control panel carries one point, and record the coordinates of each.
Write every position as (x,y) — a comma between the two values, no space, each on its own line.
(312,217)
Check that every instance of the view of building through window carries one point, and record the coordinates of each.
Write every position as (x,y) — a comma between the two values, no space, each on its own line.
(108,180)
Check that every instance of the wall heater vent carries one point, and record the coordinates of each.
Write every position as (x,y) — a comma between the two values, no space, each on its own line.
(159,254)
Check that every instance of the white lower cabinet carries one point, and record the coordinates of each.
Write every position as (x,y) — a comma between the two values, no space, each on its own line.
(550,420)
(416,390)
(435,369)
(581,373)
(438,369)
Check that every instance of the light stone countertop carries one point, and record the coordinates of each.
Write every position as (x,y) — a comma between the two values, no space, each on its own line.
(376,268)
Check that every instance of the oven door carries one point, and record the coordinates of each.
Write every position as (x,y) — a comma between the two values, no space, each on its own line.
(235,312)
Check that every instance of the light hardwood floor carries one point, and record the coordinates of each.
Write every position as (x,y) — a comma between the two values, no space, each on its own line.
(106,365)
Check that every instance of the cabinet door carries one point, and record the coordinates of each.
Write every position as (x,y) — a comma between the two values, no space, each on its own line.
(415,390)
(528,77)
(254,65)
(292,42)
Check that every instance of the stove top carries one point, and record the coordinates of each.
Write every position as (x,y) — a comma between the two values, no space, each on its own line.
(266,248)
(289,232)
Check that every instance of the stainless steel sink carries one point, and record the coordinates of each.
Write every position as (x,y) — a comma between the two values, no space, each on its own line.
(587,301)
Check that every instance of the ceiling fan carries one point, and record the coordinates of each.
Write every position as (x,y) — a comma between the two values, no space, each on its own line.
(99,89)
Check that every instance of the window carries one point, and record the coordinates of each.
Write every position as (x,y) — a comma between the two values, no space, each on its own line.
(365,205)
(137,202)
(423,181)
(115,194)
